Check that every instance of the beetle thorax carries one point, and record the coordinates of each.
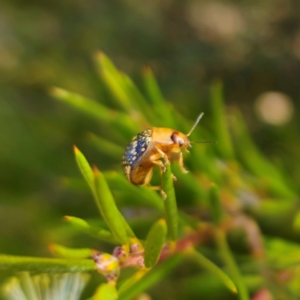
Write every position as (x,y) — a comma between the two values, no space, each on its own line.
(167,139)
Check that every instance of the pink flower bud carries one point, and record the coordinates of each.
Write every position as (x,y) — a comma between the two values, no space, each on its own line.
(134,248)
(108,265)
(120,254)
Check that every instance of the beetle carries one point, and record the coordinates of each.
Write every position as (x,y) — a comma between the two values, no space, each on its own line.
(152,147)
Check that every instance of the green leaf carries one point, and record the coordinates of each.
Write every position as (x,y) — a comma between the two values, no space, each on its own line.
(282,254)
(81,103)
(188,181)
(139,99)
(189,220)
(221,127)
(106,147)
(153,89)
(137,194)
(99,233)
(105,292)
(215,204)
(84,167)
(107,206)
(296,222)
(276,216)
(45,265)
(67,252)
(256,162)
(232,265)
(113,80)
(162,110)
(119,121)
(202,261)
(170,203)
(103,62)
(209,287)
(138,283)
(105,202)
(155,242)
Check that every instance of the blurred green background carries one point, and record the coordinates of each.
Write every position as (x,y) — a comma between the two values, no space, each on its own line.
(252,46)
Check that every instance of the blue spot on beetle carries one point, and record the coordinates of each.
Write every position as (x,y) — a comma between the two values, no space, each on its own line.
(137,147)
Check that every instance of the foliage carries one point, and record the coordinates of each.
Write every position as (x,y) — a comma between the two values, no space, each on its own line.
(221,224)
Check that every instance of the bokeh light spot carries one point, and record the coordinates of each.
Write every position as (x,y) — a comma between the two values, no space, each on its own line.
(274,108)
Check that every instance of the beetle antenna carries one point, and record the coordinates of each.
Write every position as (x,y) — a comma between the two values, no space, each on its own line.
(203,142)
(195,124)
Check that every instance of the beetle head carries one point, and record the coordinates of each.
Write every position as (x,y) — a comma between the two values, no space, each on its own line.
(180,139)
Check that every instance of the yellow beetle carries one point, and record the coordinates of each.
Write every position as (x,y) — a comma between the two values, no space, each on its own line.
(147,149)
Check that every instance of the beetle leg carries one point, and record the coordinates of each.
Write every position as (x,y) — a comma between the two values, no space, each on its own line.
(163,155)
(148,177)
(155,159)
(161,165)
(163,194)
(161,191)
(156,188)
(180,161)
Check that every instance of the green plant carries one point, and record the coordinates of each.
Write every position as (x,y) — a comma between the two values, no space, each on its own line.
(227,222)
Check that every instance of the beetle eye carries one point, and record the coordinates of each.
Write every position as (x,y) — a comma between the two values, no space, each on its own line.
(176,139)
